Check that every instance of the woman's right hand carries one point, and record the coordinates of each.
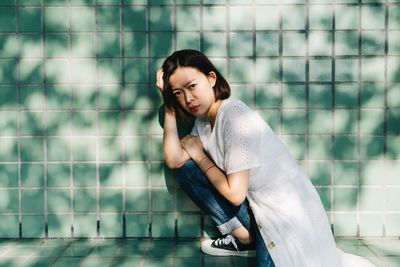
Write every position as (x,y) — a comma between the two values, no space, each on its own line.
(160,81)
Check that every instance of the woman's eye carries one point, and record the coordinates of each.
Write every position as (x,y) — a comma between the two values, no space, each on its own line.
(177,93)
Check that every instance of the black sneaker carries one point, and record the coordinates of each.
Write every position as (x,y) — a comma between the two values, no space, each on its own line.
(228,246)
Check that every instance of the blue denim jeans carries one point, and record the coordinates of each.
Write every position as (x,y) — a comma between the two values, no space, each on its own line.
(226,216)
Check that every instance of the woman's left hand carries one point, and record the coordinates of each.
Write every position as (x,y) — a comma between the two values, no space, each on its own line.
(193,146)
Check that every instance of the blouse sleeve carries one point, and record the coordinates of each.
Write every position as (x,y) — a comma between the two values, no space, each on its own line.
(242,133)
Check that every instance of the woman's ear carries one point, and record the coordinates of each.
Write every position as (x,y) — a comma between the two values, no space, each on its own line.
(212,78)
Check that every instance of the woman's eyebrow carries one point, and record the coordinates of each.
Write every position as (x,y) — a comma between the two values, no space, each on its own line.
(186,84)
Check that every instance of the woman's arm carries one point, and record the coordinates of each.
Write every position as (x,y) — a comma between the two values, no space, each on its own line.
(175,156)
(232,187)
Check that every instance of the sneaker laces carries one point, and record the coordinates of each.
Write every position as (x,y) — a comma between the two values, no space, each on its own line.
(226,240)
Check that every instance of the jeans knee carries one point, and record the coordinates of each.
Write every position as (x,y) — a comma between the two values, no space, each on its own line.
(186,171)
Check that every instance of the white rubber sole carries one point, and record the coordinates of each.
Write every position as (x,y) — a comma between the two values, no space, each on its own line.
(208,249)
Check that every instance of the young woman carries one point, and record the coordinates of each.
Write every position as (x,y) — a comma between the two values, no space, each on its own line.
(236,169)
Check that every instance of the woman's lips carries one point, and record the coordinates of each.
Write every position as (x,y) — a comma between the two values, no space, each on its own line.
(193,109)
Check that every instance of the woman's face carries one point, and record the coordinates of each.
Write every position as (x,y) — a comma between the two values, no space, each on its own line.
(193,90)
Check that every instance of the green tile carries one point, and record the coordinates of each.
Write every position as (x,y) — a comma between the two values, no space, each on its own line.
(272,118)
(319,43)
(293,17)
(188,40)
(373,42)
(76,251)
(320,173)
(108,45)
(325,196)
(373,69)
(394,43)
(84,200)
(137,225)
(293,70)
(371,199)
(57,70)
(83,71)
(58,174)
(110,148)
(373,17)
(267,70)
(346,70)
(236,70)
(84,148)
(135,44)
(272,39)
(320,70)
(8,175)
(185,14)
(8,123)
(372,147)
(243,93)
(241,44)
(58,226)
(294,121)
(135,70)
(161,176)
(8,67)
(32,123)
(84,174)
(135,18)
(268,96)
(293,44)
(110,174)
(345,199)
(55,20)
(58,123)
(30,19)
(111,226)
(110,98)
(189,248)
(85,225)
(213,18)
(346,121)
(162,200)
(393,121)
(236,13)
(371,224)
(392,224)
(30,45)
(319,147)
(58,149)
(392,169)
(345,173)
(296,145)
(107,18)
(58,200)
(62,262)
(372,96)
(104,251)
(128,262)
(293,96)
(31,149)
(82,45)
(214,44)
(161,249)
(10,203)
(58,97)
(320,121)
(346,17)
(84,97)
(136,174)
(109,71)
(267,17)
(320,96)
(161,18)
(136,148)
(371,173)
(393,93)
(32,200)
(8,150)
(33,225)
(110,123)
(320,17)
(84,122)
(82,19)
(10,226)
(154,262)
(8,19)
(391,195)
(394,17)
(136,200)
(8,97)
(110,200)
(189,226)
(184,203)
(31,71)
(345,147)
(157,50)
(393,145)
(345,225)
(32,175)
(21,251)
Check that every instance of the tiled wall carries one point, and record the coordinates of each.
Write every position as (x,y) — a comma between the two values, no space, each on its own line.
(80,145)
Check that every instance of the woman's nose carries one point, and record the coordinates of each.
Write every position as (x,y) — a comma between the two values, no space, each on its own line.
(188,97)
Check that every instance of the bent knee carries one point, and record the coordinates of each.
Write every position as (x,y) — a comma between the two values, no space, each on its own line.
(187,171)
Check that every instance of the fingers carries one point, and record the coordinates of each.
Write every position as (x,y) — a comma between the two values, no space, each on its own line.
(160,81)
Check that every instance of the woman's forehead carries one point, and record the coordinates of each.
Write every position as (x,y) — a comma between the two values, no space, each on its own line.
(184,75)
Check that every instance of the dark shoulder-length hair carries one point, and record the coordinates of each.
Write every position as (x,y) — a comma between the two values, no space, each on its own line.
(197,60)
